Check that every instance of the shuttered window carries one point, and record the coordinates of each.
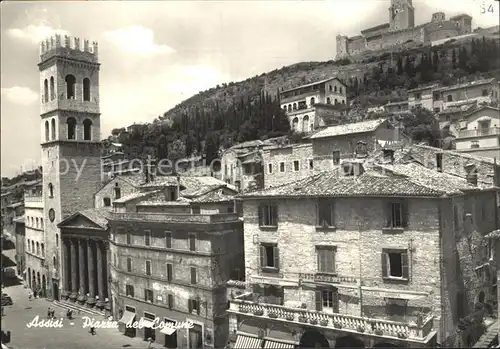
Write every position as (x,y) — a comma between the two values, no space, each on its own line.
(268,215)
(168,239)
(397,215)
(327,300)
(129,265)
(170,272)
(193,276)
(170,301)
(269,257)
(326,259)
(395,264)
(325,213)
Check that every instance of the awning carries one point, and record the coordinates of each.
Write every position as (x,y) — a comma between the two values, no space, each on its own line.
(168,330)
(147,323)
(127,317)
(271,344)
(245,342)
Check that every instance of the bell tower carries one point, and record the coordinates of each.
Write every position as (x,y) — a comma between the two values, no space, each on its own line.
(401,15)
(70,138)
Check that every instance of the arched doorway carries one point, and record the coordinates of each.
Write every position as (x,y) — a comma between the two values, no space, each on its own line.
(313,339)
(386,345)
(349,342)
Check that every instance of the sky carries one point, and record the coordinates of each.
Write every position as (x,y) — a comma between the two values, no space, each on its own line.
(156,54)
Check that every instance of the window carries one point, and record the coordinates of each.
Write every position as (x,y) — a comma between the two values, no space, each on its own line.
(439,162)
(71,127)
(326,259)
(282,167)
(147,238)
(37,248)
(313,101)
(86,89)
(268,215)
(269,257)
(325,213)
(395,264)
(54,261)
(47,134)
(107,202)
(129,265)
(118,192)
(52,90)
(129,290)
(148,267)
(168,239)
(70,86)
(296,165)
(327,300)
(87,130)
(396,215)
(330,88)
(195,209)
(485,93)
(336,157)
(51,190)
(328,101)
(449,98)
(194,305)
(170,301)
(46,91)
(192,242)
(193,276)
(43,250)
(57,239)
(148,295)
(335,89)
(129,239)
(270,168)
(53,128)
(37,222)
(335,101)
(170,271)
(418,96)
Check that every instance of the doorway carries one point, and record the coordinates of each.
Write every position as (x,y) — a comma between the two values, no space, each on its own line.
(170,340)
(55,289)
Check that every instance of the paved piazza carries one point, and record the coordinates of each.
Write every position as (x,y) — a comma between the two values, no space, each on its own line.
(22,312)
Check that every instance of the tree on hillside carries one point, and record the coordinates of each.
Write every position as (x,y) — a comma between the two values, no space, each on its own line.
(421,125)
(211,147)
(177,150)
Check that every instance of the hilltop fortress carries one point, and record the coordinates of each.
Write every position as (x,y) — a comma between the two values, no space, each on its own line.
(401,29)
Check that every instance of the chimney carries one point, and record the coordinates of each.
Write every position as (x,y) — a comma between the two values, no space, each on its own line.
(389,156)
(471,175)
(352,168)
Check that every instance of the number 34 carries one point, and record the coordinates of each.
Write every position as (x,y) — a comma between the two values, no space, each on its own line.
(487,8)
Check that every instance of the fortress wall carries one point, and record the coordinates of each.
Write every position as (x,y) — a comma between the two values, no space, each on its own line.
(356,45)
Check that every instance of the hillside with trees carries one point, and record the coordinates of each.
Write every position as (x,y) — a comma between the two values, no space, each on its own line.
(250,109)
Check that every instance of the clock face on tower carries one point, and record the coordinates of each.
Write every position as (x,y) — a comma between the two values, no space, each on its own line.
(52,214)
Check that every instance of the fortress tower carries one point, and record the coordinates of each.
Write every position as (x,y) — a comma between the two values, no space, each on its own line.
(70,138)
(401,15)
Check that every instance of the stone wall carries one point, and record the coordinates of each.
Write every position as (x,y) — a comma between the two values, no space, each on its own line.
(108,191)
(287,155)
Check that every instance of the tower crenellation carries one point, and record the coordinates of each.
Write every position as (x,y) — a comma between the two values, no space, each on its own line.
(58,45)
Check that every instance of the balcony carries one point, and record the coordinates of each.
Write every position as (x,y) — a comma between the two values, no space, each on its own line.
(480,132)
(175,218)
(337,322)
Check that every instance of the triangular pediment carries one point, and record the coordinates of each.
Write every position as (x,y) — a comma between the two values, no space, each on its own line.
(78,220)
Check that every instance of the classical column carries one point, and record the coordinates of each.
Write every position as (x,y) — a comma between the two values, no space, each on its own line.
(83,278)
(66,274)
(91,270)
(100,273)
(74,281)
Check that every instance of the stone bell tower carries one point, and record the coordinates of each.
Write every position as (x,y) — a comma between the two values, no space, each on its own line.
(401,15)
(70,138)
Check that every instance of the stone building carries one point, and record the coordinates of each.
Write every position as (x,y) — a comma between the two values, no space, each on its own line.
(308,105)
(171,252)
(70,138)
(438,98)
(20,246)
(35,252)
(479,133)
(401,30)
(361,257)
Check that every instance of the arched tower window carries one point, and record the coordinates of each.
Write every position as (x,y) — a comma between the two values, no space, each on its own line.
(51,190)
(43,249)
(47,134)
(38,248)
(53,124)
(86,89)
(294,106)
(52,91)
(118,192)
(87,129)
(71,128)
(70,86)
(289,107)
(305,124)
(46,90)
